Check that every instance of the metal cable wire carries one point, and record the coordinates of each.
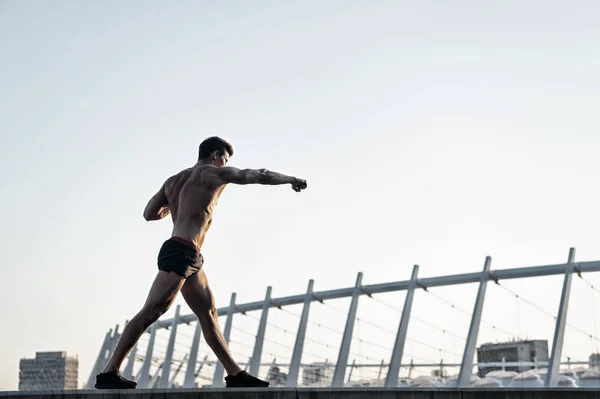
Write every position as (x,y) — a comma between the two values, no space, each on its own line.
(539,308)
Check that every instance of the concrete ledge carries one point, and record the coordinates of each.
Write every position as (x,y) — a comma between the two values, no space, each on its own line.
(531,393)
(314,393)
(383,393)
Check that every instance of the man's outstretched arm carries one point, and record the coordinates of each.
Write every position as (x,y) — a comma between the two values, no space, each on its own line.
(234,175)
(158,206)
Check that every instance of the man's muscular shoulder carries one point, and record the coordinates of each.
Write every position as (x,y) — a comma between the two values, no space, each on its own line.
(186,173)
(209,175)
(177,180)
(219,176)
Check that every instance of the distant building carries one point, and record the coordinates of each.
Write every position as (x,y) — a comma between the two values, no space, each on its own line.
(317,374)
(275,377)
(594,360)
(514,351)
(49,370)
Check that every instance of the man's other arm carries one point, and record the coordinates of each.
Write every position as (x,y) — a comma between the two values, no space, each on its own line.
(158,206)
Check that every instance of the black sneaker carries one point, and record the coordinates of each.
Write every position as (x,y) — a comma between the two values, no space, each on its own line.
(113,380)
(244,380)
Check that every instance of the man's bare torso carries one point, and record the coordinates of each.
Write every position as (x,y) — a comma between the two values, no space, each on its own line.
(192,201)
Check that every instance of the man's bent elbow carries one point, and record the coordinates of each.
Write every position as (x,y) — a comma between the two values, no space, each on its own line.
(157,215)
(149,216)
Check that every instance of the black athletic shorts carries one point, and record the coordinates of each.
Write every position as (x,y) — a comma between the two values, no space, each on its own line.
(180,256)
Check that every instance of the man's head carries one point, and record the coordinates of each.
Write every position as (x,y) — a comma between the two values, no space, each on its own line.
(216,151)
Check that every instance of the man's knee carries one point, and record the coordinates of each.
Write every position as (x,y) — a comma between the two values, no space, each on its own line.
(152,312)
(209,316)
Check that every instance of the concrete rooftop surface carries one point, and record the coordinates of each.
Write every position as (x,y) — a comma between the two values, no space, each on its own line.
(314,393)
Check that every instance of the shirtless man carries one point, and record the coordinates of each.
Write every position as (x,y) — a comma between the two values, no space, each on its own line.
(190,197)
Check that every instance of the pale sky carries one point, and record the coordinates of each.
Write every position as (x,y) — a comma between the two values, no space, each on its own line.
(431,133)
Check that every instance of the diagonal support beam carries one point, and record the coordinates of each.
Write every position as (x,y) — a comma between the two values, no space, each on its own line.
(342,362)
(128,372)
(166,371)
(219,370)
(99,364)
(113,345)
(292,377)
(396,359)
(145,371)
(260,334)
(466,368)
(561,324)
(190,376)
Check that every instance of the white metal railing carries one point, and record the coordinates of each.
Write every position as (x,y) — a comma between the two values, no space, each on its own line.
(466,366)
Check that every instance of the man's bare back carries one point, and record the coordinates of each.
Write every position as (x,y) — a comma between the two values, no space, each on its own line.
(190,197)
(192,202)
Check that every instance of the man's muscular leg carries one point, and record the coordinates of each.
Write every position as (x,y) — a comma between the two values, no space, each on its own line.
(200,299)
(160,298)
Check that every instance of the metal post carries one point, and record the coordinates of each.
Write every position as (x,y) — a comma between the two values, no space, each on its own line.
(391,379)
(380,370)
(561,323)
(112,346)
(219,371)
(145,371)
(466,368)
(342,362)
(99,360)
(292,378)
(166,371)
(156,377)
(351,370)
(177,370)
(190,376)
(442,368)
(202,363)
(128,372)
(113,339)
(260,335)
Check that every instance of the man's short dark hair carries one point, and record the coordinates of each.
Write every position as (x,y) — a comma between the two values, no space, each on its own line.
(211,144)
